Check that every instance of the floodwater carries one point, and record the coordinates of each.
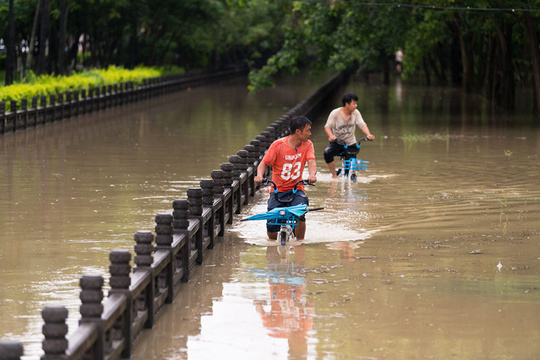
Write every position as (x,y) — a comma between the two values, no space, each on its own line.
(433,253)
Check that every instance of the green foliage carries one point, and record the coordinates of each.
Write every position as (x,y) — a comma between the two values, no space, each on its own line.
(443,39)
(337,36)
(484,46)
(50,84)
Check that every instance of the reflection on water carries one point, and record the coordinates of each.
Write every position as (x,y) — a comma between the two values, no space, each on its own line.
(433,253)
(286,312)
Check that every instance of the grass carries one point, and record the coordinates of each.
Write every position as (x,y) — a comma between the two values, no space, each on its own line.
(414,138)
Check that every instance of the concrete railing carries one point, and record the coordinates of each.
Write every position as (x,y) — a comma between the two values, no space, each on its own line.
(164,258)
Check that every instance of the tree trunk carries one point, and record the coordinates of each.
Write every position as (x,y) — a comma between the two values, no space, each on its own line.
(466,60)
(441,57)
(490,72)
(52,50)
(386,67)
(62,37)
(172,37)
(31,45)
(43,33)
(133,53)
(10,45)
(427,73)
(437,70)
(155,42)
(535,57)
(506,95)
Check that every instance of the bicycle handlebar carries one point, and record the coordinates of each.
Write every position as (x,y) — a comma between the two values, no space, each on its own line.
(267,182)
(342,142)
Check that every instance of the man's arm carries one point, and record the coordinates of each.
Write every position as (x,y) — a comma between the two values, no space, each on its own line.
(261,169)
(312,169)
(366,131)
(328,131)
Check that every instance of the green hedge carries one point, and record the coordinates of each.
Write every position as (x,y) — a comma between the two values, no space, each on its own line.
(51,84)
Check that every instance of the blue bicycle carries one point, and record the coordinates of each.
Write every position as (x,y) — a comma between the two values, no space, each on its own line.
(349,163)
(286,217)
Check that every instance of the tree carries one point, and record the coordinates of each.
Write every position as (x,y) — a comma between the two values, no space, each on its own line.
(477,44)
(43,35)
(337,36)
(10,46)
(532,32)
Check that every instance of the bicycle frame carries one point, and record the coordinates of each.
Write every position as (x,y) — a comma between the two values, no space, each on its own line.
(350,165)
(285,217)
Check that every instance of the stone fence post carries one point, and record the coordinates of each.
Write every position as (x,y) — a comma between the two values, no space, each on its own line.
(55,330)
(11,350)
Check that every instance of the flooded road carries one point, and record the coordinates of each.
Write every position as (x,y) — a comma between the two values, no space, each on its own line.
(433,253)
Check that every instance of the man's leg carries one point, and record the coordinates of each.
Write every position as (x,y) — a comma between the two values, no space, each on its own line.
(272,230)
(300,230)
(332,168)
(330,151)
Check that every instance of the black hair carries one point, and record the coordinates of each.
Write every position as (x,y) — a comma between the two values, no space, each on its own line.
(348,97)
(298,122)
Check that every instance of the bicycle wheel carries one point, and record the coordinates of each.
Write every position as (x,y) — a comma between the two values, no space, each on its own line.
(353,177)
(283,238)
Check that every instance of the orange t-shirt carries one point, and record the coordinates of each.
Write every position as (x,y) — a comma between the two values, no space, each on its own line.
(288,163)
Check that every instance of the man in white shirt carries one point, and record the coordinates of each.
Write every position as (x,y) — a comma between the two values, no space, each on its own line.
(341,124)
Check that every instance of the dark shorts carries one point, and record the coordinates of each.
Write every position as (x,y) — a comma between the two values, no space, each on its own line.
(334,149)
(301,198)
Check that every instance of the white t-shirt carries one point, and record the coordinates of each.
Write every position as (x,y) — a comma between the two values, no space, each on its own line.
(344,128)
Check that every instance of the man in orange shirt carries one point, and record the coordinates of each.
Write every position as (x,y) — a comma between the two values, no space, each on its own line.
(287,157)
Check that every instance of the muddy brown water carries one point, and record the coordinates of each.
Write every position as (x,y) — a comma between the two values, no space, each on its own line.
(433,253)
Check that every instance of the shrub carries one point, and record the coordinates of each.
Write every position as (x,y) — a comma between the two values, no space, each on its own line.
(33,85)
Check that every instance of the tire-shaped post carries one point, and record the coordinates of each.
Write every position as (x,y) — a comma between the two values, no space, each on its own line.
(11,350)
(245,161)
(55,329)
(218,179)
(252,155)
(180,215)
(207,186)
(268,138)
(120,270)
(120,280)
(272,131)
(164,230)
(144,248)
(91,296)
(91,308)
(164,239)
(227,173)
(195,201)
(263,143)
(257,146)
(237,163)
(277,129)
